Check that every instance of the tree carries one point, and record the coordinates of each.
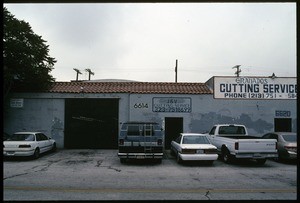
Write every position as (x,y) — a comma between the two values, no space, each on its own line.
(27,64)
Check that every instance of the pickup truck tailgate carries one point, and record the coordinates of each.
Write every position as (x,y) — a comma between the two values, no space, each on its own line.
(257,145)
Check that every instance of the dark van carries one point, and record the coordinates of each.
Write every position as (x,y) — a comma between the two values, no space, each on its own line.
(140,140)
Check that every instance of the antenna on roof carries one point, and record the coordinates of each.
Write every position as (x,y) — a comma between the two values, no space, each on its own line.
(237,73)
(77,72)
(176,72)
(90,72)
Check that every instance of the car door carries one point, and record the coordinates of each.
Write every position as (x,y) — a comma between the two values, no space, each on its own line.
(176,144)
(41,142)
(213,139)
(46,142)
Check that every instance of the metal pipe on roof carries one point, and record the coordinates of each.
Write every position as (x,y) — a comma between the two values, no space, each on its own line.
(176,72)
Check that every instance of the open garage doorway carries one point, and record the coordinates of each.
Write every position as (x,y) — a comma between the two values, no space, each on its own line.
(283,124)
(91,123)
(173,127)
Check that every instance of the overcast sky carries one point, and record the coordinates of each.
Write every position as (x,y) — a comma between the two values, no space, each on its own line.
(141,41)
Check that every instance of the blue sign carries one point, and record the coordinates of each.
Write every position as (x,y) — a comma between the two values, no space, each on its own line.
(172,104)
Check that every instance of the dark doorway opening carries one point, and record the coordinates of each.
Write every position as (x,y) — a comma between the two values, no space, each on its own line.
(283,124)
(173,127)
(91,123)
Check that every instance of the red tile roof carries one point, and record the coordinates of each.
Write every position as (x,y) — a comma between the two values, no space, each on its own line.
(130,87)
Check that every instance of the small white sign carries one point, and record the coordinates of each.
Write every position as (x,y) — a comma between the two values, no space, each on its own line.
(16,103)
(255,88)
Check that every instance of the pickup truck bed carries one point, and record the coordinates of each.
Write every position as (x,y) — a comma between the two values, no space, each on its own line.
(241,137)
(233,141)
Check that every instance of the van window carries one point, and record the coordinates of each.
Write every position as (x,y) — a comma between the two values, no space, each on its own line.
(140,129)
(133,130)
(148,130)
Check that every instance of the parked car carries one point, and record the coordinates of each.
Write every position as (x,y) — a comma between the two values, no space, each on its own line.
(193,147)
(286,144)
(28,144)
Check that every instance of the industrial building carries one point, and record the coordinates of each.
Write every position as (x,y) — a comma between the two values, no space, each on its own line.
(88,114)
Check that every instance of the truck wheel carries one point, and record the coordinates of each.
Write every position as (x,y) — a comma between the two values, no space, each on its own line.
(227,158)
(261,161)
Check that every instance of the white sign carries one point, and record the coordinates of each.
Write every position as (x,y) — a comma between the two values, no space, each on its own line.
(16,103)
(255,88)
(171,104)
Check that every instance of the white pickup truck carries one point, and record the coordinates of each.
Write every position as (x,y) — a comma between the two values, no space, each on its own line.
(233,141)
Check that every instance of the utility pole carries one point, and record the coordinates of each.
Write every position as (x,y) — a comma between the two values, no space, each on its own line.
(237,70)
(176,72)
(90,72)
(77,72)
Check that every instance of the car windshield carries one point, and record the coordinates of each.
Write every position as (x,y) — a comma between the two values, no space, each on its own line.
(21,137)
(290,138)
(192,139)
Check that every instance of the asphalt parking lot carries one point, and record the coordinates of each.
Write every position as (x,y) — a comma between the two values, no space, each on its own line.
(99,175)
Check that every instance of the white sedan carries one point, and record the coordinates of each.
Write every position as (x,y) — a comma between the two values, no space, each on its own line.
(193,147)
(28,144)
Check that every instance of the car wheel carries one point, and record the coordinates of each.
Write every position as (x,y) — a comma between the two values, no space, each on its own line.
(54,147)
(36,153)
(122,160)
(279,158)
(178,159)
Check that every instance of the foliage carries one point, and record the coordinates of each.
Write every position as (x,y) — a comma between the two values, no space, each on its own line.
(27,64)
